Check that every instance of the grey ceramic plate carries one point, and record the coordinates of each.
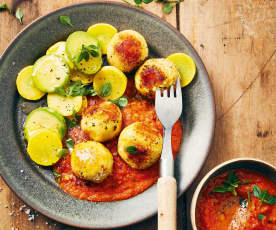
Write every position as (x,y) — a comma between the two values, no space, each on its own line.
(36,185)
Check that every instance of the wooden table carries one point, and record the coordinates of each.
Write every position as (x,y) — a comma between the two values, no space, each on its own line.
(237,42)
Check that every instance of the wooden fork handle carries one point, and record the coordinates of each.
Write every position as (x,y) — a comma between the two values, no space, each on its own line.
(166,192)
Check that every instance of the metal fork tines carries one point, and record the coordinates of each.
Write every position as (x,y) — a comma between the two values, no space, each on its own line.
(168,109)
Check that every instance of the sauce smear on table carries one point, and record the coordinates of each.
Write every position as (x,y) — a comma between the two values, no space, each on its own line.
(225,211)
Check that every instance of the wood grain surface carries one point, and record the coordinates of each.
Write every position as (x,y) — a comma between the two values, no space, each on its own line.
(237,42)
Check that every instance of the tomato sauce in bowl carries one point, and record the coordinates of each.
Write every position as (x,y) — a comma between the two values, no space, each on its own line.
(124,182)
(249,207)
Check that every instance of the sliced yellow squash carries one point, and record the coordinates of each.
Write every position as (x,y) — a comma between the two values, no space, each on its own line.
(83,105)
(59,49)
(26,86)
(78,76)
(185,66)
(104,33)
(110,83)
(66,106)
(44,147)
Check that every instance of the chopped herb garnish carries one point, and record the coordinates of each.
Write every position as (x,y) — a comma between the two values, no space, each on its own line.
(5,7)
(168,8)
(88,50)
(70,143)
(65,20)
(19,15)
(230,184)
(131,149)
(60,90)
(261,216)
(263,195)
(138,2)
(62,152)
(76,88)
(57,176)
(121,102)
(105,89)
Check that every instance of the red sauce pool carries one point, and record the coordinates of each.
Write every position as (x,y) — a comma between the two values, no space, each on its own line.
(124,182)
(151,76)
(222,211)
(129,49)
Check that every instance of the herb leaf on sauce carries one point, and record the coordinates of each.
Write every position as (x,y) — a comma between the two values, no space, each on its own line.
(105,89)
(70,143)
(62,152)
(86,50)
(121,102)
(261,216)
(131,149)
(230,184)
(263,195)
(57,175)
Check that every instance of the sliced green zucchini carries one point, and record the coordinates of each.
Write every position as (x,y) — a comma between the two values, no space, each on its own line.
(49,72)
(59,49)
(76,44)
(44,117)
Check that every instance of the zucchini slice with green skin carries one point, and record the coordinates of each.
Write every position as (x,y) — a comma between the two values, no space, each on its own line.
(44,117)
(73,49)
(49,72)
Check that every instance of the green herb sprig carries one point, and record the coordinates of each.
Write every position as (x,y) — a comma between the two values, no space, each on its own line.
(62,152)
(230,184)
(263,195)
(65,20)
(73,121)
(261,216)
(131,149)
(57,176)
(121,102)
(69,143)
(88,50)
(76,88)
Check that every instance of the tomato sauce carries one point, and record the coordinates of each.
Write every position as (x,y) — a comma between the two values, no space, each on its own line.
(124,182)
(151,76)
(129,49)
(225,211)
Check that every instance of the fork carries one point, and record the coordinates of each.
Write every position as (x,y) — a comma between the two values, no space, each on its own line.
(168,109)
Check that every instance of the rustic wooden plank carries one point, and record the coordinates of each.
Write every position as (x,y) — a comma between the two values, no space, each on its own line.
(11,216)
(236,40)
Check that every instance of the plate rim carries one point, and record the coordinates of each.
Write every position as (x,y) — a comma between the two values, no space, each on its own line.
(189,46)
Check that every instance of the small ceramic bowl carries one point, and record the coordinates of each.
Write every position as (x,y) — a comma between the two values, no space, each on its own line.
(246,163)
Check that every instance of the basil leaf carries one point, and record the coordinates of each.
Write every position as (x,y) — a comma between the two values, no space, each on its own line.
(62,152)
(168,8)
(271,200)
(261,216)
(243,203)
(70,143)
(138,2)
(19,15)
(257,191)
(5,7)
(147,1)
(91,93)
(105,89)
(86,50)
(65,20)
(57,175)
(60,91)
(121,102)
(222,189)
(264,195)
(131,149)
